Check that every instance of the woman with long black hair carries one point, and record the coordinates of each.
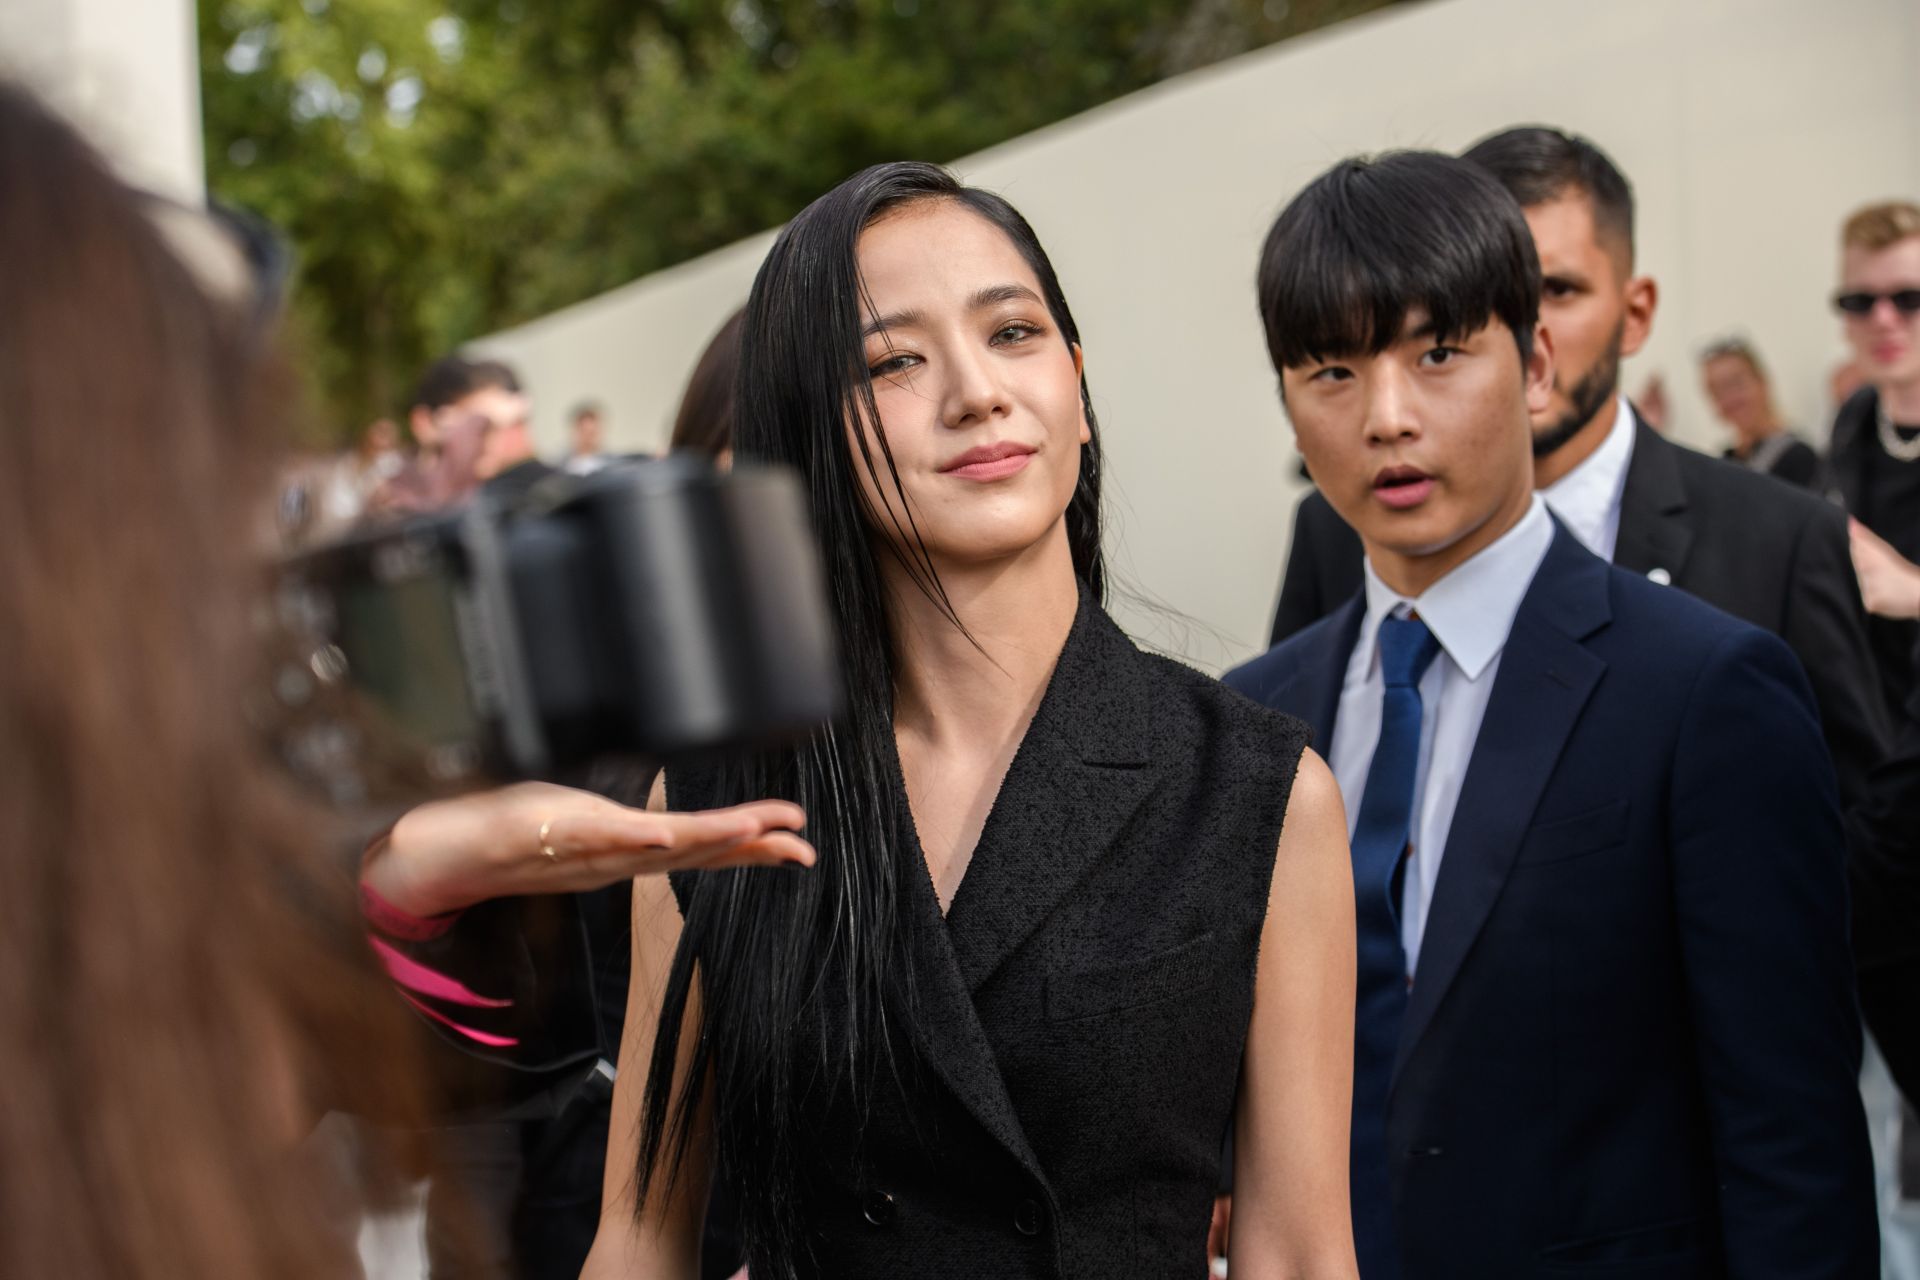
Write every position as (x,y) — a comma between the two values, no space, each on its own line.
(1076,910)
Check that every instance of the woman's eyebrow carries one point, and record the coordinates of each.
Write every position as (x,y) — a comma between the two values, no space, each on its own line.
(892,320)
(994,294)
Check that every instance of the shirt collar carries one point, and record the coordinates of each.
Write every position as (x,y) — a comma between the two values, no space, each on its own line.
(1471,610)
(1588,496)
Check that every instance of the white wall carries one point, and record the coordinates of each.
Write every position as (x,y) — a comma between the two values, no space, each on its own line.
(1748,127)
(126,71)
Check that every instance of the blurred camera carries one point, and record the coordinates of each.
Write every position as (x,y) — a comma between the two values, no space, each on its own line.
(652,609)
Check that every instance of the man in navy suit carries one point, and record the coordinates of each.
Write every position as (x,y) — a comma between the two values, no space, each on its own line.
(1606,1021)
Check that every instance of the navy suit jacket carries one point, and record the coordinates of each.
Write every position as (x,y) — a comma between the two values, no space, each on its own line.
(1631,1044)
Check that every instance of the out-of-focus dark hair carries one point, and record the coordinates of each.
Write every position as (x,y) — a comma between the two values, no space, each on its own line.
(704,423)
(179,976)
(806,981)
(1371,240)
(452,378)
(1540,164)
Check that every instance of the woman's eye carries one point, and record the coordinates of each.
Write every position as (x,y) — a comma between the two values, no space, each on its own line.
(1010,334)
(893,365)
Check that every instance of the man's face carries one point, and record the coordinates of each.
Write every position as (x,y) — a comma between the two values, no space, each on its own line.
(1425,447)
(1886,344)
(1597,311)
(586,433)
(500,416)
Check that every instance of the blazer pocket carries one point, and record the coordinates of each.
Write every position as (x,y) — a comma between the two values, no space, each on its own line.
(1563,839)
(1086,992)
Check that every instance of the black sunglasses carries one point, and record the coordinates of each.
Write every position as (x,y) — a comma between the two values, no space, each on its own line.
(1905,301)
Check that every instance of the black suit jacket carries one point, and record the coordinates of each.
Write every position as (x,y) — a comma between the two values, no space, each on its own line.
(1760,550)
(1630,1047)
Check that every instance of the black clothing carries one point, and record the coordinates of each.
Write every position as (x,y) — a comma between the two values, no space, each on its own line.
(1083,1006)
(1758,550)
(1785,457)
(1886,896)
(1883,493)
(518,1154)
(518,480)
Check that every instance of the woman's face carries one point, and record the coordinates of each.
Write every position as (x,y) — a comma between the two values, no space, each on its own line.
(978,392)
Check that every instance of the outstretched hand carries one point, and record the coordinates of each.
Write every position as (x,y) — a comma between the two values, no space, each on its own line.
(1889,583)
(451,854)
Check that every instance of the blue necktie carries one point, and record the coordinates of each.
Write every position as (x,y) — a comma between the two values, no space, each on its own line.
(1380,839)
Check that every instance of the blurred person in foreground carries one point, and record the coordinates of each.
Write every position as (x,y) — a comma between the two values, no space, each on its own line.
(1763,552)
(1742,397)
(184,988)
(704,422)
(1875,450)
(523,1084)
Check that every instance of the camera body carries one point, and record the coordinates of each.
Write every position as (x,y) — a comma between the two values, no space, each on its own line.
(651,609)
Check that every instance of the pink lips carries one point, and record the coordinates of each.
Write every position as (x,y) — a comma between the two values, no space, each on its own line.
(1402,488)
(990,462)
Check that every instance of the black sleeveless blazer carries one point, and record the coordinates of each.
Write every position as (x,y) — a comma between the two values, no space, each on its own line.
(1084,1003)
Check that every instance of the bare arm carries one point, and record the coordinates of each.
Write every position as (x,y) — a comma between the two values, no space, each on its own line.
(664,1243)
(1290,1212)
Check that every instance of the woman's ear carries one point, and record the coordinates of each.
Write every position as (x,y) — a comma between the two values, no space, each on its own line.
(1080,375)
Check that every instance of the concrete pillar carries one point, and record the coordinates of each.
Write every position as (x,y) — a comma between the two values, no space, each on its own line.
(126,71)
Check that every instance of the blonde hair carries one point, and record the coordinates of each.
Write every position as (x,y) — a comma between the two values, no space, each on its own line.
(1879,225)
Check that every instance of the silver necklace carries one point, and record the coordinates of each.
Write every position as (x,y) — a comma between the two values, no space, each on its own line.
(1898,449)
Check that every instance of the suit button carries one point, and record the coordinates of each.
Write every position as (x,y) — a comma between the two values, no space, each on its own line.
(1027,1219)
(879,1208)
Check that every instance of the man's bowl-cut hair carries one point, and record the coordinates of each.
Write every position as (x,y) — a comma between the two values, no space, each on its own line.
(1371,241)
(1540,164)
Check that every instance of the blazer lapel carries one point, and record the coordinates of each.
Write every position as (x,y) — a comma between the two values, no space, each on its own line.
(1078,776)
(947,1030)
(1545,678)
(1311,690)
(1654,530)
(1083,770)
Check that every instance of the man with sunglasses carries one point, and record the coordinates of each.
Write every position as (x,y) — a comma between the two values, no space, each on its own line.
(1876,436)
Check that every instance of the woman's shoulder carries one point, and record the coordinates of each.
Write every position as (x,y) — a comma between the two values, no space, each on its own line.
(1214,710)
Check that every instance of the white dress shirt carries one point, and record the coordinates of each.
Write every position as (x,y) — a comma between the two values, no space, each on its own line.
(1470,612)
(1587,498)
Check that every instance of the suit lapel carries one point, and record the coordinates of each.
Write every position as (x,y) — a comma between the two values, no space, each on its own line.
(1079,775)
(1082,771)
(1545,678)
(1654,530)
(947,1029)
(1312,690)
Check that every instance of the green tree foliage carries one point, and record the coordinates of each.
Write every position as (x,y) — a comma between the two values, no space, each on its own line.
(445,168)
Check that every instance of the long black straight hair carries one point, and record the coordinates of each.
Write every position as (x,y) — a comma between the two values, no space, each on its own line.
(806,979)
